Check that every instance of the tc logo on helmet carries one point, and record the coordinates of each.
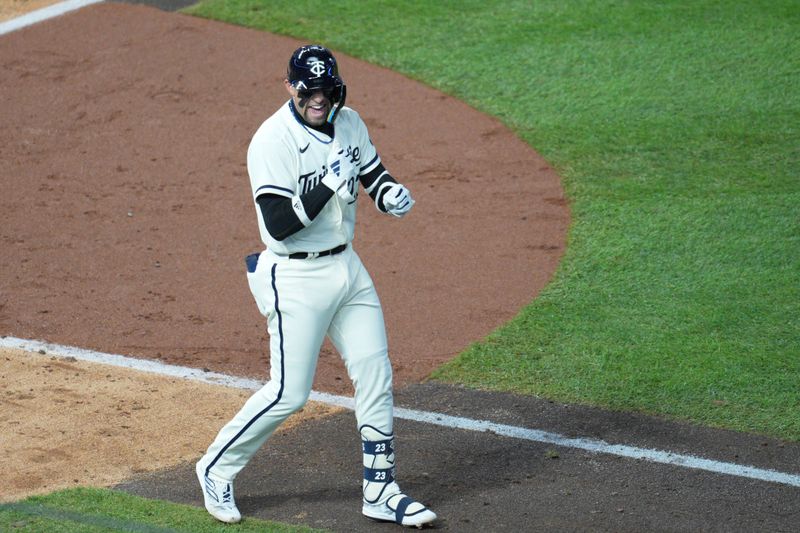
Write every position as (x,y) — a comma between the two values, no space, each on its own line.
(317,67)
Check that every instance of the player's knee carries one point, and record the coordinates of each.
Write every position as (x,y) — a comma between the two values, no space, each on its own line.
(284,400)
(293,402)
(374,369)
(371,364)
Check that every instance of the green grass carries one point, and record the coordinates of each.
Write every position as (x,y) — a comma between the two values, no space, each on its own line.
(88,510)
(676,129)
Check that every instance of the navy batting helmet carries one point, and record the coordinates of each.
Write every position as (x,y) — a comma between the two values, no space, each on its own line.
(313,67)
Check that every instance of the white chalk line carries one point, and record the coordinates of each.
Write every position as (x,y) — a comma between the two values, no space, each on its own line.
(586,444)
(42,14)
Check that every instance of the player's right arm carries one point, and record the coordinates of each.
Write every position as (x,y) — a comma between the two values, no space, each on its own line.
(286,216)
(285,212)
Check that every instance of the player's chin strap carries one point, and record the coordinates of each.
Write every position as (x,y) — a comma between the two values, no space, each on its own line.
(337,106)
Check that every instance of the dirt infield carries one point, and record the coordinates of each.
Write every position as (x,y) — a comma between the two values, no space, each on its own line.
(128,213)
(14,8)
(68,423)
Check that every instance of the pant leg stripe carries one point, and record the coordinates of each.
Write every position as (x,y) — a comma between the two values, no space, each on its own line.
(280,390)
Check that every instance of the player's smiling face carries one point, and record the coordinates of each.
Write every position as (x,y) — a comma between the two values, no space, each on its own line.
(313,106)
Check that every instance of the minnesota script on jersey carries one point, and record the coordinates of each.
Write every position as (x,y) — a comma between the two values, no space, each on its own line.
(287,158)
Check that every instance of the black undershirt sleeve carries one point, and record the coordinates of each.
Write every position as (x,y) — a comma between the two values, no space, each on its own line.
(372,182)
(279,216)
(282,221)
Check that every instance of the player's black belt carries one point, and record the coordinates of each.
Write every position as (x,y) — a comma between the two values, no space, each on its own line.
(305,255)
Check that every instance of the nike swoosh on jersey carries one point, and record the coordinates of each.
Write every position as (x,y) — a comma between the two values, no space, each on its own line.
(303,150)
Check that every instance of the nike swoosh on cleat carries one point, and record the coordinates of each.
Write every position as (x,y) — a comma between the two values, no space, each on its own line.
(303,150)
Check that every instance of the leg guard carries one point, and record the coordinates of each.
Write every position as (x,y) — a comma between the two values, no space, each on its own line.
(383,499)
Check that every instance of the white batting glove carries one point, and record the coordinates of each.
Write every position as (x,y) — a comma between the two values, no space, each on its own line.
(341,173)
(398,200)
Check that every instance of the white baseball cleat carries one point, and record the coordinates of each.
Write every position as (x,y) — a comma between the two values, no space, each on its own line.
(218,496)
(400,509)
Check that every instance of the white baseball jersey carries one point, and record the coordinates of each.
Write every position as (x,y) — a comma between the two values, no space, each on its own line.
(287,158)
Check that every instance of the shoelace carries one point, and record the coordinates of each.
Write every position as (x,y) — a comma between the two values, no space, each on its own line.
(211,489)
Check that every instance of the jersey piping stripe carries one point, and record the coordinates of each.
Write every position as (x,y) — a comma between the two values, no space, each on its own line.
(280,390)
(364,167)
(282,189)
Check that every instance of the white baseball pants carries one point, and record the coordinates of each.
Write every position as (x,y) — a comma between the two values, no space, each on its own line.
(303,300)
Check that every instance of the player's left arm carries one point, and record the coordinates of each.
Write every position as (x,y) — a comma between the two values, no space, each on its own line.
(376,183)
(389,195)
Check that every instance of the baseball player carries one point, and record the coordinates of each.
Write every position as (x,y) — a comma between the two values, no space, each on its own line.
(306,163)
